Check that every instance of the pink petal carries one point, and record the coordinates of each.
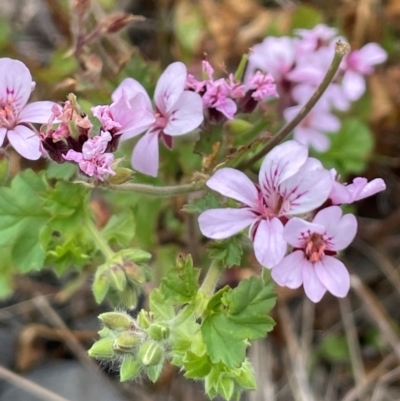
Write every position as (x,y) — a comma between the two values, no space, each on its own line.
(289,272)
(333,275)
(223,223)
(185,115)
(25,142)
(298,230)
(234,184)
(228,108)
(306,190)
(3,132)
(360,189)
(145,157)
(372,54)
(170,87)
(131,87)
(281,163)
(340,230)
(311,137)
(269,245)
(325,121)
(36,112)
(353,85)
(313,286)
(15,82)
(133,115)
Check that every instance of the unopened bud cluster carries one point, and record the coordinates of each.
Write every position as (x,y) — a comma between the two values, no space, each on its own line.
(138,345)
(121,279)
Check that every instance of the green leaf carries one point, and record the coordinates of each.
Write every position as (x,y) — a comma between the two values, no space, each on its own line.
(228,251)
(222,345)
(120,229)
(196,366)
(235,316)
(160,306)
(204,145)
(62,171)
(350,148)
(181,283)
(198,205)
(22,220)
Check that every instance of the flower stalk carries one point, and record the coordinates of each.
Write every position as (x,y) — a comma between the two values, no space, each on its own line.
(98,239)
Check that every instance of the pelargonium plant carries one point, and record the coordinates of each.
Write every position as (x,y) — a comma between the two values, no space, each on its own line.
(291,216)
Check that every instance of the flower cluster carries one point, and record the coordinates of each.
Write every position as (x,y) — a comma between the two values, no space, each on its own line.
(181,104)
(299,64)
(223,98)
(294,203)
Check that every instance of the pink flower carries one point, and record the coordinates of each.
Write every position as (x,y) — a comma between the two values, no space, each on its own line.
(262,85)
(312,129)
(275,56)
(290,183)
(127,115)
(359,189)
(312,262)
(357,64)
(15,89)
(93,161)
(216,94)
(313,39)
(177,112)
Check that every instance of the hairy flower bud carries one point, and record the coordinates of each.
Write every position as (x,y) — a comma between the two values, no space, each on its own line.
(134,272)
(158,332)
(117,278)
(150,353)
(117,320)
(126,341)
(100,287)
(102,349)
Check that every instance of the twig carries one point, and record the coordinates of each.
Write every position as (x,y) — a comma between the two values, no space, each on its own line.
(72,342)
(29,386)
(360,389)
(352,340)
(377,313)
(262,358)
(381,260)
(299,382)
(341,49)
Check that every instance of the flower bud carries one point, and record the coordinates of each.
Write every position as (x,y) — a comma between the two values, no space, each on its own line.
(129,297)
(126,341)
(134,272)
(130,368)
(100,287)
(150,353)
(238,126)
(122,175)
(143,319)
(117,320)
(158,332)
(102,349)
(117,278)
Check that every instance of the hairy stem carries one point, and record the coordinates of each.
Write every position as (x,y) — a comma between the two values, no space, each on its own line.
(159,192)
(341,49)
(211,279)
(98,238)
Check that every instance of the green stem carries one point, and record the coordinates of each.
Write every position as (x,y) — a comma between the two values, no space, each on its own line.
(211,279)
(160,192)
(341,49)
(99,239)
